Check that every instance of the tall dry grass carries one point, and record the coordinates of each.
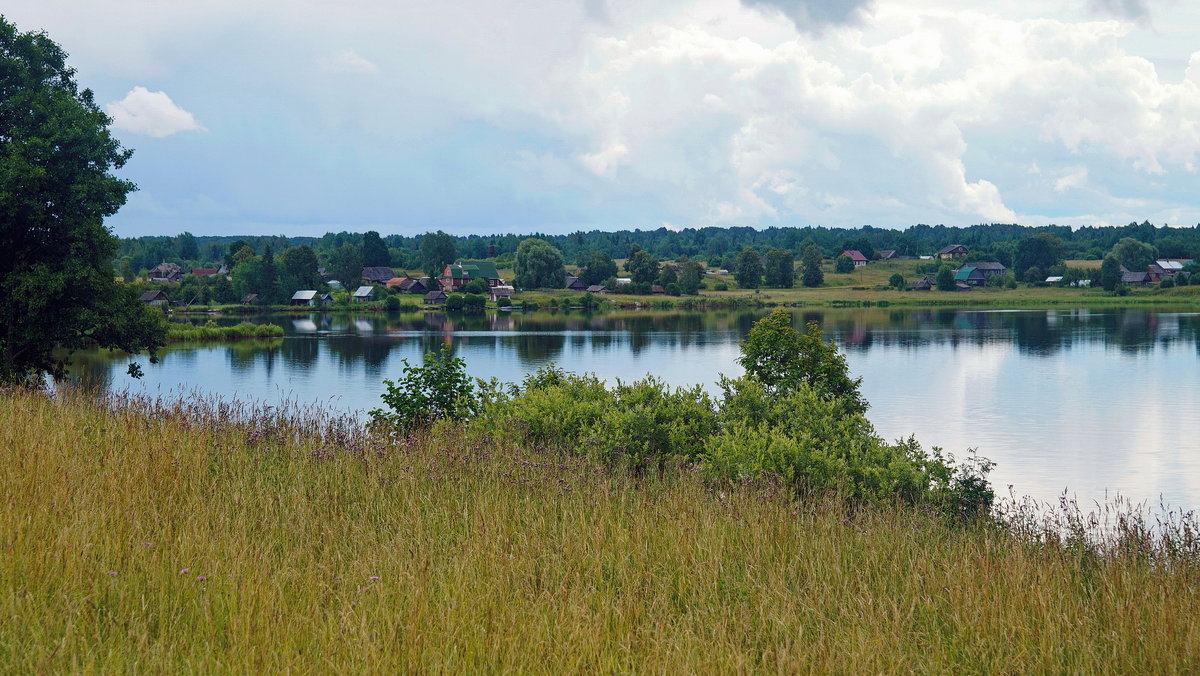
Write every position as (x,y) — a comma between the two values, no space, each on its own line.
(150,537)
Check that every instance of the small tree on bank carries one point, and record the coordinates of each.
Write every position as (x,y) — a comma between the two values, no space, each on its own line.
(945,279)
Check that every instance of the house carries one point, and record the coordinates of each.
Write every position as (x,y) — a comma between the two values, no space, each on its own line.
(1141,278)
(989,268)
(376,275)
(308,298)
(657,288)
(411,285)
(363,294)
(886,254)
(1170,268)
(621,281)
(455,276)
(435,297)
(921,285)
(155,298)
(598,288)
(326,299)
(204,272)
(951,252)
(495,293)
(250,299)
(1054,279)
(971,276)
(573,284)
(856,256)
(165,273)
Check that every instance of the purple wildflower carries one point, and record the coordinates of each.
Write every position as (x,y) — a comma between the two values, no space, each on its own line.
(201,578)
(184,571)
(112,573)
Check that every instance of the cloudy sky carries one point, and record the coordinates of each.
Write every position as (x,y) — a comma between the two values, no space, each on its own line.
(554,115)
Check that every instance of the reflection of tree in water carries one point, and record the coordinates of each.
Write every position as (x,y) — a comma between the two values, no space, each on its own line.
(371,351)
(300,351)
(535,348)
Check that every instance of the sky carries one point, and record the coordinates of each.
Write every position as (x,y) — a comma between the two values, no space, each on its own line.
(478,116)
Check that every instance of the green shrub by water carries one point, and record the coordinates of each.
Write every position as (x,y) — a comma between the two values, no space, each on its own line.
(210,331)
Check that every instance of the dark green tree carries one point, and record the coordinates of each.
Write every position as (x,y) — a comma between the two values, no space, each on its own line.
(668,275)
(896,281)
(780,357)
(374,251)
(642,267)
(749,270)
(1110,273)
(945,279)
(810,260)
(127,273)
(690,274)
(599,268)
(860,244)
(298,269)
(189,250)
(843,265)
(1042,251)
(58,291)
(345,263)
(437,251)
(539,265)
(233,250)
(781,269)
(1134,255)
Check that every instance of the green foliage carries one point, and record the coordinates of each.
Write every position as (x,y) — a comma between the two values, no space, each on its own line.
(843,265)
(1042,251)
(642,267)
(720,286)
(298,270)
(1110,273)
(810,260)
(780,269)
(374,251)
(667,276)
(673,289)
(749,269)
(478,286)
(437,389)
(391,303)
(945,279)
(783,359)
(455,302)
(690,274)
(1134,255)
(58,291)
(539,265)
(896,281)
(345,264)
(210,331)
(437,251)
(474,302)
(1167,283)
(503,302)
(599,268)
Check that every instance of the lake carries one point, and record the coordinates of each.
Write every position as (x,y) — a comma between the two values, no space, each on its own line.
(1096,402)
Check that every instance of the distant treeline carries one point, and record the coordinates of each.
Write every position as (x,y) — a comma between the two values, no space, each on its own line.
(715,245)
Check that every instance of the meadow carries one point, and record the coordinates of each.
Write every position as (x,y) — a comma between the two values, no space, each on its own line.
(209,536)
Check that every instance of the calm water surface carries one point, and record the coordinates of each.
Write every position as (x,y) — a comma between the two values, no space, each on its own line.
(1095,402)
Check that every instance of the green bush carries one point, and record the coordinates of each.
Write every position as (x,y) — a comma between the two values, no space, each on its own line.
(503,302)
(474,302)
(437,389)
(720,286)
(896,281)
(392,303)
(455,302)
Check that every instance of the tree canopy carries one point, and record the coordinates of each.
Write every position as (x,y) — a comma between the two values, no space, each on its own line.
(57,157)
(1134,255)
(437,251)
(749,270)
(539,265)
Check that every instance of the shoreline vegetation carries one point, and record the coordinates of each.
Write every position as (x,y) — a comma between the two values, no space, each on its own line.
(210,332)
(145,534)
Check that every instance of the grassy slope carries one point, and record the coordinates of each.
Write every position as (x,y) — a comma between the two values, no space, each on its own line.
(490,557)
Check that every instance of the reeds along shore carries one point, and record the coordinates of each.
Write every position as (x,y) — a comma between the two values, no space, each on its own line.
(213,537)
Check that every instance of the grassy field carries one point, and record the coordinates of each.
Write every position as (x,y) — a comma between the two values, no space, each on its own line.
(159,538)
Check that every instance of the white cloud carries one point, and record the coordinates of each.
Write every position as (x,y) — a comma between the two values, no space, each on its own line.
(348,61)
(1076,179)
(151,114)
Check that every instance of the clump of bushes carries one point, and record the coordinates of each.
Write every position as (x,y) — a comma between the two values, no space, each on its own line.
(796,414)
(211,331)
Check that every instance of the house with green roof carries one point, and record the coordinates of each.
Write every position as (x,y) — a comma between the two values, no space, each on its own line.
(970,275)
(457,275)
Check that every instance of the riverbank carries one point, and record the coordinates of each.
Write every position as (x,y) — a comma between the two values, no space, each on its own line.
(139,537)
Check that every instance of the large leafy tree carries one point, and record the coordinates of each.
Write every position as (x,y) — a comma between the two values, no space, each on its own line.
(749,270)
(1134,255)
(781,269)
(810,260)
(345,263)
(599,268)
(642,267)
(539,265)
(57,157)
(298,269)
(1042,251)
(374,251)
(437,250)
(690,274)
(781,358)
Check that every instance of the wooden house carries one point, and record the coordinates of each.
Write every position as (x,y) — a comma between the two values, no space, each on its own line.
(435,297)
(363,294)
(951,252)
(155,298)
(308,297)
(971,276)
(856,256)
(375,275)
(250,299)
(574,284)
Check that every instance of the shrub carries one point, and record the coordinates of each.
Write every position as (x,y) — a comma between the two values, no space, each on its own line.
(455,302)
(391,303)
(896,281)
(438,388)
(1167,283)
(720,286)
(843,265)
(503,302)
(474,302)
